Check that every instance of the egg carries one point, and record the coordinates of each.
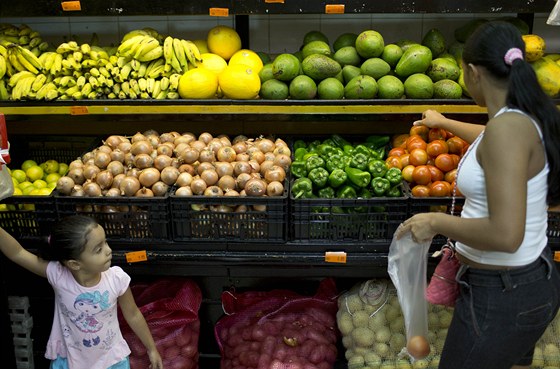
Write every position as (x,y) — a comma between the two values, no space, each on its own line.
(418,347)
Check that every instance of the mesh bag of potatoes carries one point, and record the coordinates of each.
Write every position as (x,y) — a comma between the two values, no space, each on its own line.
(371,322)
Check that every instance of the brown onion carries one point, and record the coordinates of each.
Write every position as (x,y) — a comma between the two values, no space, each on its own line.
(187,168)
(226,153)
(125,146)
(115,167)
(275,188)
(113,141)
(242,167)
(283,161)
(167,137)
(258,156)
(206,155)
(265,165)
(184,179)
(197,145)
(239,147)
(78,163)
(129,186)
(102,159)
(113,192)
(213,191)
(128,159)
(148,177)
(117,155)
(255,187)
(64,185)
(241,209)
(210,177)
(104,179)
(144,192)
(184,191)
(141,147)
(138,137)
(269,156)
(223,168)
(227,182)
(239,138)
(165,150)
(153,139)
(77,175)
(205,137)
(280,142)
(169,175)
(275,173)
(160,188)
(162,161)
(198,186)
(242,179)
(242,157)
(265,145)
(87,156)
(231,193)
(77,191)
(259,208)
(142,161)
(188,155)
(90,171)
(215,145)
(225,140)
(180,147)
(255,166)
(133,172)
(282,150)
(204,166)
(117,180)
(92,189)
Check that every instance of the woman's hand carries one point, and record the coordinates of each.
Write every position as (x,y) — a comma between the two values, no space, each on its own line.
(431,119)
(155,359)
(420,227)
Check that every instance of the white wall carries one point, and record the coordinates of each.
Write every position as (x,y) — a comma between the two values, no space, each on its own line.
(271,33)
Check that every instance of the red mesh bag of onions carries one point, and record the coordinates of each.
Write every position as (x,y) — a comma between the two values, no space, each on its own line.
(279,329)
(170,307)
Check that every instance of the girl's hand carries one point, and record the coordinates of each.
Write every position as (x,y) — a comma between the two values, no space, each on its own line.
(430,119)
(155,359)
(420,227)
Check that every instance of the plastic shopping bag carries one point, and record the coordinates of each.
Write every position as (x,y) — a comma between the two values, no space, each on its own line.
(407,267)
(554,17)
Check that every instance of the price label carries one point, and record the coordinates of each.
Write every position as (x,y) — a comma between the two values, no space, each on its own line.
(335,257)
(557,256)
(79,110)
(136,256)
(219,12)
(274,1)
(334,9)
(71,6)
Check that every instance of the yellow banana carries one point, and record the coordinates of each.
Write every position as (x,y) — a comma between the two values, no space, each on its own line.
(172,95)
(157,89)
(78,56)
(11,30)
(162,95)
(3,67)
(13,81)
(35,41)
(127,45)
(23,87)
(86,89)
(94,72)
(4,95)
(38,82)
(42,93)
(117,88)
(134,33)
(43,46)
(93,81)
(174,81)
(144,95)
(153,54)
(112,95)
(193,53)
(113,59)
(179,52)
(85,49)
(135,64)
(25,30)
(164,83)
(3,51)
(168,49)
(57,65)
(67,81)
(122,61)
(142,84)
(147,46)
(63,48)
(31,58)
(156,72)
(89,63)
(150,83)
(152,65)
(104,72)
(134,86)
(14,62)
(125,87)
(125,71)
(51,95)
(24,40)
(142,70)
(81,81)
(71,91)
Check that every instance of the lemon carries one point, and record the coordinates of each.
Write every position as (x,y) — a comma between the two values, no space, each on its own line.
(17,191)
(28,164)
(53,177)
(27,191)
(62,168)
(44,191)
(213,62)
(202,45)
(19,175)
(247,57)
(51,185)
(24,184)
(198,83)
(15,182)
(224,41)
(40,183)
(240,82)
(34,173)
(3,207)
(51,166)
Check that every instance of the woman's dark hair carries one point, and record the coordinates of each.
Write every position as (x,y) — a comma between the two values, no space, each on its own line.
(487,47)
(68,238)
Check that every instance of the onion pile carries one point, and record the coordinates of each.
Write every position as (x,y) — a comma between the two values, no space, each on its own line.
(148,164)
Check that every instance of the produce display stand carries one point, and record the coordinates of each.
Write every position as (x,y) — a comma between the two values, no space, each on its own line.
(219,264)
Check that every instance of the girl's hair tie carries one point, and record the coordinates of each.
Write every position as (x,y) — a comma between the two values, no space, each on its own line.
(513,54)
(49,240)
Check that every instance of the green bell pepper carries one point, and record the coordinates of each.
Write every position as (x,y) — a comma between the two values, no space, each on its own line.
(326,193)
(330,142)
(377,168)
(380,186)
(362,150)
(326,151)
(394,175)
(348,149)
(335,162)
(377,140)
(337,177)
(358,177)
(298,169)
(346,192)
(339,141)
(359,161)
(394,191)
(300,153)
(309,154)
(313,145)
(302,188)
(319,177)
(313,162)
(299,144)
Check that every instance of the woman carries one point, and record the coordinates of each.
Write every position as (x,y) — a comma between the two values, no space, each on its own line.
(509,285)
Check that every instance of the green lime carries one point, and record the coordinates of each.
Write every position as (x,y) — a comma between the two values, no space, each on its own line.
(303,88)
(28,164)
(274,89)
(285,67)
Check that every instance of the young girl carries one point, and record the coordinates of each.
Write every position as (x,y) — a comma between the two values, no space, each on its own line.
(510,288)
(85,331)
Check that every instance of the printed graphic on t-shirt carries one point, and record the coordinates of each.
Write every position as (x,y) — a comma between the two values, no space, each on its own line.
(87,314)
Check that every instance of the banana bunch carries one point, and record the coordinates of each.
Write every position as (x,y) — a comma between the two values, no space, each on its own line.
(23,36)
(22,59)
(140,45)
(179,53)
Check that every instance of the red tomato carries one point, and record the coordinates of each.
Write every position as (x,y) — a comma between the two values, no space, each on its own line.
(436,174)
(421,175)
(399,140)
(436,134)
(397,151)
(420,191)
(436,147)
(450,176)
(421,131)
(456,159)
(405,159)
(449,134)
(415,142)
(407,173)
(440,189)
(445,163)
(393,161)
(418,157)
(431,161)
(456,145)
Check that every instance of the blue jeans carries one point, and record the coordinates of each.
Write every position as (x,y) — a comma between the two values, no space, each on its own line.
(62,363)
(501,314)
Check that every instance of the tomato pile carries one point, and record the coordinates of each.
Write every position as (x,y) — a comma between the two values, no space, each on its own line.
(428,158)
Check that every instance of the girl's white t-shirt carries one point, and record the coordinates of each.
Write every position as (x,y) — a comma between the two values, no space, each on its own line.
(85,327)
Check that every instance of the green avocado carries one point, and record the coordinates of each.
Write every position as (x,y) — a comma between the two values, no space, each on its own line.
(416,59)
(319,67)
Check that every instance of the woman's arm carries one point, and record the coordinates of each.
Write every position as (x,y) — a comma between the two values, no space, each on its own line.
(16,253)
(467,131)
(136,321)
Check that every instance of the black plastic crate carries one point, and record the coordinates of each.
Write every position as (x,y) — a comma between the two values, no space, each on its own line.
(28,218)
(553,231)
(198,218)
(346,220)
(125,219)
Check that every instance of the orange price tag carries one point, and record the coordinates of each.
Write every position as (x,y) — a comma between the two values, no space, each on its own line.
(334,9)
(557,256)
(136,256)
(79,110)
(335,257)
(274,1)
(71,6)
(219,12)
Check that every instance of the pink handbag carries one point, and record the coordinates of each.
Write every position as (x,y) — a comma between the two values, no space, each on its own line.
(443,289)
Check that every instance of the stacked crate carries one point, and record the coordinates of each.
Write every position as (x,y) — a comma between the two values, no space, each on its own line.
(21,323)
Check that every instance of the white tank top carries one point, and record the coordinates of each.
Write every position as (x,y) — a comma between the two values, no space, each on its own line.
(472,183)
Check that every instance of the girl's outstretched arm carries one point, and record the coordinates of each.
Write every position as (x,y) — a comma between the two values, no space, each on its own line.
(16,253)
(136,321)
